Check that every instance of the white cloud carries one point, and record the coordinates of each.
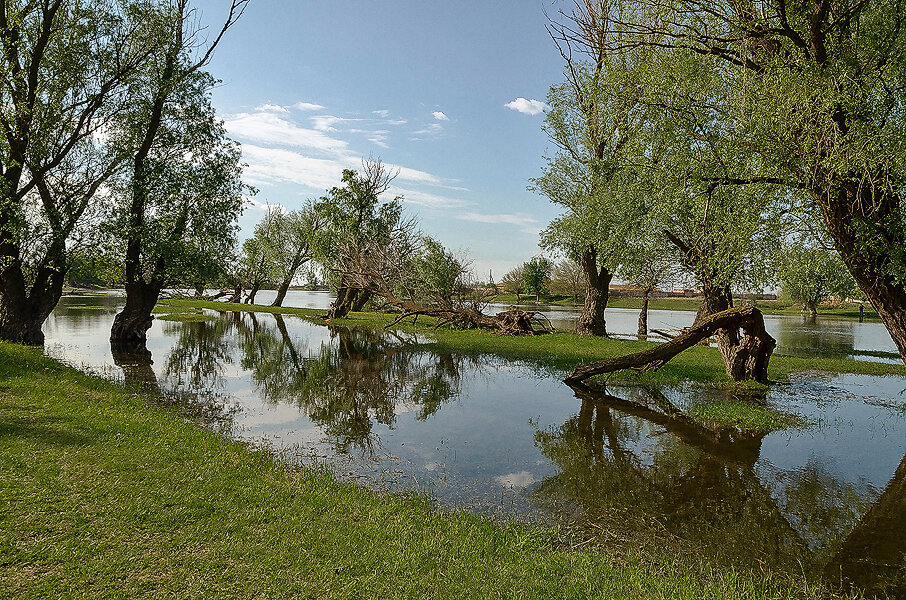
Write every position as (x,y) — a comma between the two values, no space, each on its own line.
(527,107)
(271,108)
(264,206)
(430,200)
(383,113)
(432,129)
(267,166)
(307,106)
(327,122)
(440,116)
(270,128)
(524,221)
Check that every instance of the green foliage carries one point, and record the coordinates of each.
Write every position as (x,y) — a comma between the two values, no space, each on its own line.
(536,275)
(365,240)
(94,268)
(810,275)
(181,207)
(437,275)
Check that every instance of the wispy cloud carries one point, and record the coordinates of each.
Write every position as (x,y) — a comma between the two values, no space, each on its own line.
(429,200)
(271,128)
(280,150)
(307,106)
(271,108)
(440,116)
(526,107)
(524,221)
(327,122)
(432,129)
(383,113)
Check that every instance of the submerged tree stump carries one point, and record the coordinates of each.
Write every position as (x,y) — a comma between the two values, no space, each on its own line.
(746,360)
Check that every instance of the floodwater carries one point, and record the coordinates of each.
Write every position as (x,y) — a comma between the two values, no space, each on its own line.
(625,469)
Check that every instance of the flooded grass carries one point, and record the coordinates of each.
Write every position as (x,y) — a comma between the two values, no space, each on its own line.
(745,416)
(104,494)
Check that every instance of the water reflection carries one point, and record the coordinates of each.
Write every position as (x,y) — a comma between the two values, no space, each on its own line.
(348,383)
(637,468)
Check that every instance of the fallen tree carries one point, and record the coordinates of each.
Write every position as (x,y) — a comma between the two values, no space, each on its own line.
(748,360)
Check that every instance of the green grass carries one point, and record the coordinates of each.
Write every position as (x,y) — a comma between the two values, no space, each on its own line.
(745,416)
(104,494)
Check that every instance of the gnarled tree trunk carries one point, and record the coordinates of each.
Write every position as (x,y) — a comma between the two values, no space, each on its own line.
(131,325)
(281,293)
(361,299)
(597,291)
(865,242)
(22,310)
(748,359)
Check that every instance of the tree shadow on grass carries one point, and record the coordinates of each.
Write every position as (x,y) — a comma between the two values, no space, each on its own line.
(47,430)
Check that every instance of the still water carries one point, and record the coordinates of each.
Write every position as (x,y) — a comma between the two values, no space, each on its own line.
(625,468)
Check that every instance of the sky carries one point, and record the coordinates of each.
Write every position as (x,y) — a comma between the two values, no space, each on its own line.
(450,94)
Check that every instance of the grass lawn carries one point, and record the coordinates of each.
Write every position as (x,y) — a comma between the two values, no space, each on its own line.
(105,494)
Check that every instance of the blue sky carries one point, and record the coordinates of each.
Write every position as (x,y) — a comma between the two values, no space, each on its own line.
(310,88)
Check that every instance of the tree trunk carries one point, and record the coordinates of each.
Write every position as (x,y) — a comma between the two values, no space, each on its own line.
(253,291)
(281,293)
(361,300)
(23,311)
(597,291)
(812,309)
(643,316)
(130,326)
(199,290)
(343,304)
(236,298)
(865,243)
(748,359)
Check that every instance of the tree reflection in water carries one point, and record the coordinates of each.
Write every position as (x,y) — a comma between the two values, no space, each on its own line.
(361,377)
(642,471)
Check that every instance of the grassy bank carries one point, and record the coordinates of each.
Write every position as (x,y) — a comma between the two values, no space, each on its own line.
(104,494)
(563,351)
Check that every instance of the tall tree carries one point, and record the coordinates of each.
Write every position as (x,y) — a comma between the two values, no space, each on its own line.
(810,275)
(594,118)
(63,67)
(183,179)
(536,275)
(815,100)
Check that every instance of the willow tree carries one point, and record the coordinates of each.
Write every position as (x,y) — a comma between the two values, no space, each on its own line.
(63,69)
(290,244)
(360,228)
(594,119)
(183,180)
(815,107)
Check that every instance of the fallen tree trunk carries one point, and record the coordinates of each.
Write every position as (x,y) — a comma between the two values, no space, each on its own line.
(749,360)
(510,322)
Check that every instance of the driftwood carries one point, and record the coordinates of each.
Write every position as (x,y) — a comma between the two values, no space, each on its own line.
(509,322)
(749,359)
